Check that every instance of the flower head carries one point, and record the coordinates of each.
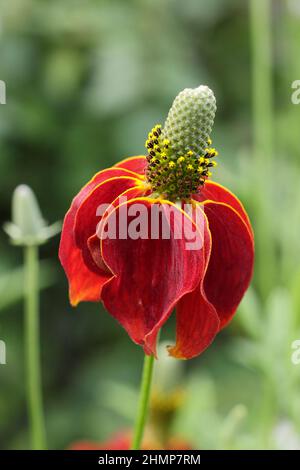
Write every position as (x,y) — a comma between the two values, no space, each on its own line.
(154,233)
(180,155)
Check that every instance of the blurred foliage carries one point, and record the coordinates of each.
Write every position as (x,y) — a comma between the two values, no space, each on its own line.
(12,283)
(86,80)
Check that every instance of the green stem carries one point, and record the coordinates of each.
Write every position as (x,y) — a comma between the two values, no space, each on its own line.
(262,89)
(291,34)
(143,405)
(262,101)
(32,345)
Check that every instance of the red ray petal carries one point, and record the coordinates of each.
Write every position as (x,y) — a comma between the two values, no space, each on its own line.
(93,243)
(83,284)
(88,215)
(231,262)
(216,192)
(151,275)
(197,322)
(136,164)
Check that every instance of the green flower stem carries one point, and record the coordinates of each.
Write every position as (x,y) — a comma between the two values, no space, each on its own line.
(32,346)
(290,34)
(143,405)
(263,135)
(262,89)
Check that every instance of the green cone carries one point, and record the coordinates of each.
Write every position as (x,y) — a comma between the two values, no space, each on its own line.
(190,120)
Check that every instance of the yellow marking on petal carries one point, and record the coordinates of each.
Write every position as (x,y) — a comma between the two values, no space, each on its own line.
(171,164)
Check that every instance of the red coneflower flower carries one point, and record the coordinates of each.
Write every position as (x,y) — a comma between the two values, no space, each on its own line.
(122,441)
(141,279)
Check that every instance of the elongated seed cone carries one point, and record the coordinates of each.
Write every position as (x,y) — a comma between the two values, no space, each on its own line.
(190,120)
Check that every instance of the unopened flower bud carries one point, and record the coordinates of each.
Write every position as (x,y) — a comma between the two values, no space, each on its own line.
(28,226)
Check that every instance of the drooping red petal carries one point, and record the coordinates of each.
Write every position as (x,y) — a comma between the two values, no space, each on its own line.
(136,164)
(83,283)
(93,242)
(93,207)
(216,192)
(93,245)
(151,272)
(197,322)
(231,261)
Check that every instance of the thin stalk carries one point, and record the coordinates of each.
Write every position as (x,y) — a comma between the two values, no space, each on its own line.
(262,103)
(143,405)
(290,37)
(262,93)
(32,348)
(263,137)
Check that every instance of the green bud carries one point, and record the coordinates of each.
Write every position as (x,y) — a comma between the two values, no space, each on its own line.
(26,213)
(190,120)
(28,226)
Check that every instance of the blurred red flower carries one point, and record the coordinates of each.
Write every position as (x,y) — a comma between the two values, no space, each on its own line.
(122,441)
(140,281)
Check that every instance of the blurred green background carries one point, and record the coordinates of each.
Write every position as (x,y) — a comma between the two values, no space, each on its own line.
(86,80)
